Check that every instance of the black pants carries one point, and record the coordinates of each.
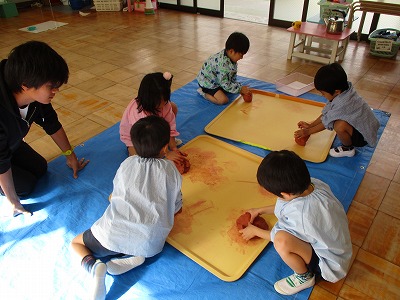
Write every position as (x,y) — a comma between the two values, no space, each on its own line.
(27,167)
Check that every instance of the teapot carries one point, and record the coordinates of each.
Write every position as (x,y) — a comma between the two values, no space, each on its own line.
(335,25)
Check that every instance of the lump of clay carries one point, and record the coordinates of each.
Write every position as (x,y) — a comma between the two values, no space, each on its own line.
(183,167)
(260,223)
(248,97)
(243,221)
(302,141)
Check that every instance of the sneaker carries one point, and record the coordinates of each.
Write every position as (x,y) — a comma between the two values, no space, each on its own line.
(342,151)
(293,284)
(178,142)
(200,91)
(120,265)
(98,273)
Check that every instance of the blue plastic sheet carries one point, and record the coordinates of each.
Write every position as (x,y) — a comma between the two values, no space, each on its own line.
(35,260)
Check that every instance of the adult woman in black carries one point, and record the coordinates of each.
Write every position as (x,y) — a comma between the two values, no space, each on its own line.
(29,79)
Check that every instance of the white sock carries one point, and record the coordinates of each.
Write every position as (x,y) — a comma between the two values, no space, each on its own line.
(117,266)
(200,91)
(98,272)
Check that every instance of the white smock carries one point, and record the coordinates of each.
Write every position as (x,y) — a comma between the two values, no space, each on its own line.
(318,219)
(145,198)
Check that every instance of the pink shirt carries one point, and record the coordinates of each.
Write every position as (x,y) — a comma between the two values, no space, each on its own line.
(131,116)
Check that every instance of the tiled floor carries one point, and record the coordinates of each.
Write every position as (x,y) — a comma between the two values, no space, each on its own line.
(108,54)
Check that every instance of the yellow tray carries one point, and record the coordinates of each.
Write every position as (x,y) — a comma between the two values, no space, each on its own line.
(219,187)
(269,122)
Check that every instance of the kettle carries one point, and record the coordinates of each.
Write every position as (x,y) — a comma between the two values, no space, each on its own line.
(335,25)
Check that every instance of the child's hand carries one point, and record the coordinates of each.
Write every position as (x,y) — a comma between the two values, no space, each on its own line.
(249,232)
(176,156)
(254,213)
(303,125)
(301,133)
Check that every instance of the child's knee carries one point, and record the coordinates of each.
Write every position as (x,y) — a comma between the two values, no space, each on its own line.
(281,241)
(342,126)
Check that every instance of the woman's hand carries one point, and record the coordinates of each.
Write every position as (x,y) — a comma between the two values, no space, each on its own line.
(75,164)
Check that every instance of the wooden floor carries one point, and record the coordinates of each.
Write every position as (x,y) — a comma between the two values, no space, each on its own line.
(109,52)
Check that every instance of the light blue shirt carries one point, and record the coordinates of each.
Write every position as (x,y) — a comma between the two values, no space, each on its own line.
(318,219)
(145,198)
(350,107)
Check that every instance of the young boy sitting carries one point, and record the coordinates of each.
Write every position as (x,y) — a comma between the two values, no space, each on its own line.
(346,113)
(311,234)
(218,73)
(145,197)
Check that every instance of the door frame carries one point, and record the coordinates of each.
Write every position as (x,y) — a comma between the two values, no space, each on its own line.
(194,9)
(284,23)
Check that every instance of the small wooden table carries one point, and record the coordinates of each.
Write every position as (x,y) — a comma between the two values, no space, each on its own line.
(333,45)
(387,7)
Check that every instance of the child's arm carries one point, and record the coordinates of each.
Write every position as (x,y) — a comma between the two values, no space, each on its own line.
(307,129)
(265,210)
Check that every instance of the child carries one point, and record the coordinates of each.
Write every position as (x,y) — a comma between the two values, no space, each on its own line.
(145,197)
(218,73)
(311,234)
(29,80)
(346,113)
(153,99)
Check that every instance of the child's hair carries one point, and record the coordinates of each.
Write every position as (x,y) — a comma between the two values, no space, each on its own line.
(238,42)
(283,171)
(149,135)
(154,88)
(34,64)
(330,78)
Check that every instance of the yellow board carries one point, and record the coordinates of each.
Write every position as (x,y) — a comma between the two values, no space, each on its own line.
(269,122)
(220,185)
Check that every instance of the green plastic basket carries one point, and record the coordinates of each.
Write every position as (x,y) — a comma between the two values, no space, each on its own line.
(383,47)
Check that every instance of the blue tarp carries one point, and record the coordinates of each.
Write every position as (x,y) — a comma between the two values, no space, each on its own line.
(35,260)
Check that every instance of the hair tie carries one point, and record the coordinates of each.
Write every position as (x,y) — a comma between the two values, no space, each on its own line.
(167,75)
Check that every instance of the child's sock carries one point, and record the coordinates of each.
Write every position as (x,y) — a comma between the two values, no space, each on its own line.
(88,262)
(120,265)
(200,91)
(99,270)
(305,276)
(347,148)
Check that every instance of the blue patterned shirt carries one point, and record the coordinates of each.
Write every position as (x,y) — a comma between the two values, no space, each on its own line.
(219,71)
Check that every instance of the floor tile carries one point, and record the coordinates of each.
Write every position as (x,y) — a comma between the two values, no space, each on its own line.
(372,190)
(374,277)
(384,164)
(390,204)
(350,293)
(108,115)
(360,219)
(383,238)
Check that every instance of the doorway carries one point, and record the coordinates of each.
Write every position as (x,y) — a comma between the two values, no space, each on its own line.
(255,11)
